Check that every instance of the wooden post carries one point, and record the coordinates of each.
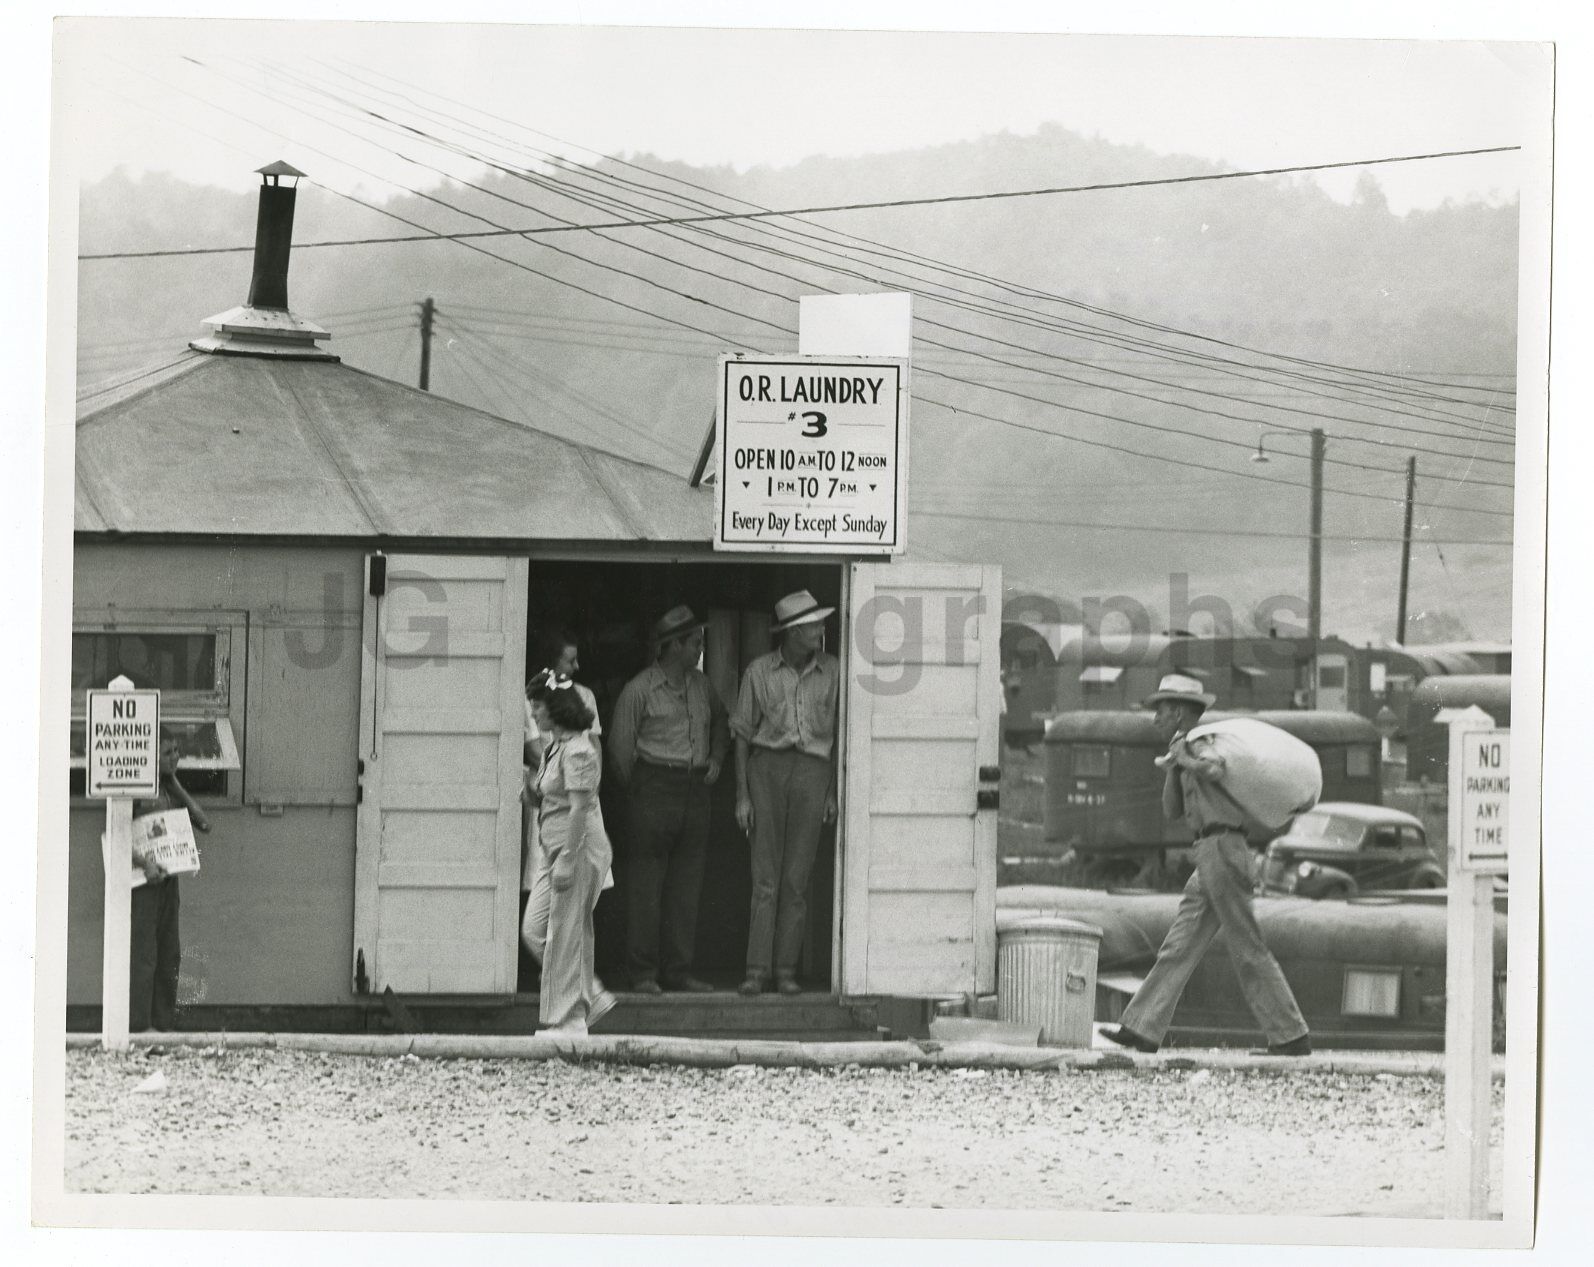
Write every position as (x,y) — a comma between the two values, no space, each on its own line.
(428,312)
(115,967)
(123,761)
(1469,997)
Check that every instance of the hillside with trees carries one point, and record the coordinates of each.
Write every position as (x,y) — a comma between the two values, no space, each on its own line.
(1065,422)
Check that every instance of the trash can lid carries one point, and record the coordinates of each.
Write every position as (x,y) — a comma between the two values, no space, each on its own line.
(1027,923)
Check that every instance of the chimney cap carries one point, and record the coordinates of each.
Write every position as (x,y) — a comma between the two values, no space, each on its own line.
(279,168)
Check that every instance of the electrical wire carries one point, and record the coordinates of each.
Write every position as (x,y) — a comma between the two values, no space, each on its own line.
(895,252)
(544,230)
(982,385)
(562,281)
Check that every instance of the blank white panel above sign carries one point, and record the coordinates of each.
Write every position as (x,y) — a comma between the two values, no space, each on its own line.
(855,325)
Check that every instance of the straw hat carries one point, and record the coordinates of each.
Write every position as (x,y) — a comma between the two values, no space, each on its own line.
(801,608)
(1180,689)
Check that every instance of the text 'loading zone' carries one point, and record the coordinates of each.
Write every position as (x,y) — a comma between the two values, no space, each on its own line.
(812,455)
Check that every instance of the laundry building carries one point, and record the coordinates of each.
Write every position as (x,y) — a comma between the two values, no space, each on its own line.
(336,580)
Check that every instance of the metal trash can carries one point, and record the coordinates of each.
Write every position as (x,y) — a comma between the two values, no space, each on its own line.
(1046,976)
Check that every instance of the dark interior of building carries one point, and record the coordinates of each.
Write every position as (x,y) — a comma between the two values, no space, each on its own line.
(609,608)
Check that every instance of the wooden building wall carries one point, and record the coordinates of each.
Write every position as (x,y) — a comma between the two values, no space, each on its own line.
(269,918)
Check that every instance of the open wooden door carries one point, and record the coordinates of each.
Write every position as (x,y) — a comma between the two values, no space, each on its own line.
(437,856)
(924,702)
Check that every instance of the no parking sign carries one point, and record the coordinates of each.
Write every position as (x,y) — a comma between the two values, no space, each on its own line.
(124,743)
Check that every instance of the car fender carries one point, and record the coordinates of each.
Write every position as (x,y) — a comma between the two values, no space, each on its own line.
(1326,880)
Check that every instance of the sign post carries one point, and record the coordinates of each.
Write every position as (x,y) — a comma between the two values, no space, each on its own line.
(813,454)
(1480,797)
(123,749)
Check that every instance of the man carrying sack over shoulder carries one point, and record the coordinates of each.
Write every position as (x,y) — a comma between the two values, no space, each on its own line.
(1217,896)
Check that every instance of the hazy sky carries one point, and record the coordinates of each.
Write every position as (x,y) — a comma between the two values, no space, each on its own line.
(131,93)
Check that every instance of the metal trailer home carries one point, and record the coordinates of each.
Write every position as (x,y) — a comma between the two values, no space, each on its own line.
(334,579)
(1428,738)
(1052,669)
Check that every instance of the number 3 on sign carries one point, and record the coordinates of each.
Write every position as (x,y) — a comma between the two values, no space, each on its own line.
(816,423)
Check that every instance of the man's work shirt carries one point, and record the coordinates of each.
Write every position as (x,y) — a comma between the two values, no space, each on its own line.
(1191,789)
(782,708)
(667,725)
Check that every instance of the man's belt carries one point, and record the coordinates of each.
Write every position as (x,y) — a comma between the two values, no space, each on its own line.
(1217,829)
(674,767)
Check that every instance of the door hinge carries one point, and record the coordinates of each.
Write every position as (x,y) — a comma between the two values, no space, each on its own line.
(987,798)
(990,773)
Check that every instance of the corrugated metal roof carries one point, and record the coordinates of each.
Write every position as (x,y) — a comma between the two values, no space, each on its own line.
(258,447)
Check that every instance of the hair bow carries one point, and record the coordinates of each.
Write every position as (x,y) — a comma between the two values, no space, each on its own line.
(548,680)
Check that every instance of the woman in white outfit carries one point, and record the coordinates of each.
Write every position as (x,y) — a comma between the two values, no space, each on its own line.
(576,847)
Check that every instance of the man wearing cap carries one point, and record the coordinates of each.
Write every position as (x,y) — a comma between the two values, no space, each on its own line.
(1216,898)
(785,728)
(668,740)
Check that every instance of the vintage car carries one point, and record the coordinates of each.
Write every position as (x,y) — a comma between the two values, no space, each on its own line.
(1339,849)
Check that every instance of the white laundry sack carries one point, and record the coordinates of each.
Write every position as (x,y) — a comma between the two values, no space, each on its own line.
(1268,772)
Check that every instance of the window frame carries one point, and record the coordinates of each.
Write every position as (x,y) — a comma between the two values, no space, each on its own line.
(224,703)
(1364,751)
(1367,970)
(1078,750)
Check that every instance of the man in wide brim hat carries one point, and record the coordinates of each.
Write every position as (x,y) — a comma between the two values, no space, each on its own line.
(785,727)
(675,623)
(1217,897)
(668,742)
(1180,688)
(801,608)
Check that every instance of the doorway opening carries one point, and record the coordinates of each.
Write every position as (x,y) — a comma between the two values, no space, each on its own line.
(609,609)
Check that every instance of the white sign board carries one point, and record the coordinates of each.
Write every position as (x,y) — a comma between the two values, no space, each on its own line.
(855,325)
(813,455)
(123,743)
(1485,794)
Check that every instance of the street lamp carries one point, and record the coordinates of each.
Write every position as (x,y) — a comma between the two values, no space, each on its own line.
(1314,556)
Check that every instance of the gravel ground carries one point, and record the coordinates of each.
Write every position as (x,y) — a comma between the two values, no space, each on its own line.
(283,1123)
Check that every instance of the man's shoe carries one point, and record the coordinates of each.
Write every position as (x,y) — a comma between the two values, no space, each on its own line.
(788,985)
(1126,1037)
(688,984)
(1301,1046)
(753,985)
(647,985)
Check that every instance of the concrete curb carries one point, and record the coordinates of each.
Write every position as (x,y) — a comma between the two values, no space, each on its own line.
(633,1049)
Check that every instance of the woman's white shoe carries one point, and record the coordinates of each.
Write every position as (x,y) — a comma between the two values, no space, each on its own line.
(573,1028)
(601,1007)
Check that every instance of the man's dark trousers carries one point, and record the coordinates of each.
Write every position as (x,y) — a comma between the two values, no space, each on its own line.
(669,822)
(155,957)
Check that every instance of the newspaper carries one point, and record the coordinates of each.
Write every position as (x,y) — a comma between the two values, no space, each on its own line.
(167,837)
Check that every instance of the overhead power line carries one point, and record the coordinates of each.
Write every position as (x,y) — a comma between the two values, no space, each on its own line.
(1476,428)
(722,217)
(1182,530)
(853,240)
(457,238)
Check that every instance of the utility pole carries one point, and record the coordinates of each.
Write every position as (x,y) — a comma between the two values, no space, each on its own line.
(1314,570)
(428,311)
(1405,548)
